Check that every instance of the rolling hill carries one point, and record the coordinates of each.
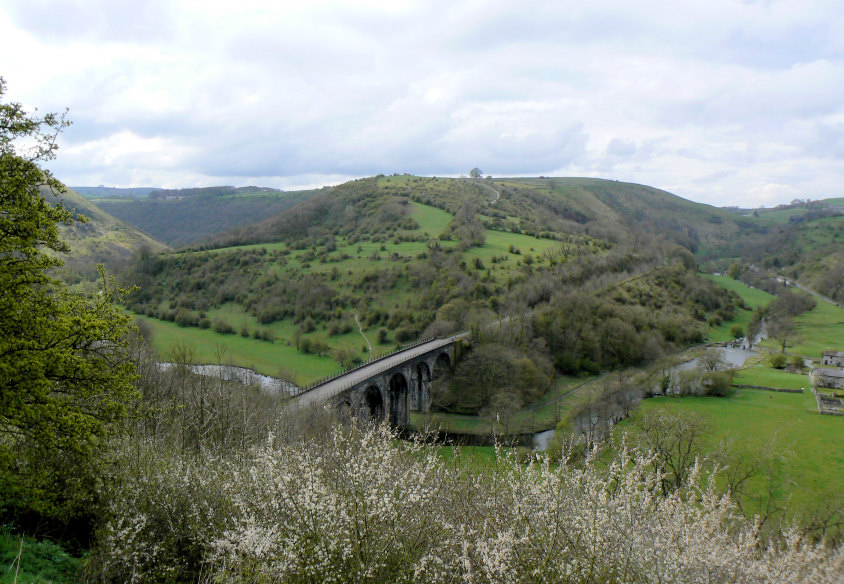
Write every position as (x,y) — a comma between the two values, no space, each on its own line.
(102,239)
(410,256)
(184,216)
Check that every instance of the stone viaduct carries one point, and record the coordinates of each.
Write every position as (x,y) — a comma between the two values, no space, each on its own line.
(389,387)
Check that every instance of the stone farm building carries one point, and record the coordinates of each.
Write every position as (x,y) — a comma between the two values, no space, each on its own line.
(833,359)
(828,378)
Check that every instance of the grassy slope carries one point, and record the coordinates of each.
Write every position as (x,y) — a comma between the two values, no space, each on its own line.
(753,298)
(820,329)
(790,421)
(103,239)
(271,358)
(186,220)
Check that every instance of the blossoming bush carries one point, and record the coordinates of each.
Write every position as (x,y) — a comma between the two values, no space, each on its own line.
(361,506)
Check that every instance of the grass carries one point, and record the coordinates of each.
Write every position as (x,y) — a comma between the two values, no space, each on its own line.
(267,358)
(819,330)
(471,457)
(499,243)
(752,297)
(41,562)
(763,375)
(789,421)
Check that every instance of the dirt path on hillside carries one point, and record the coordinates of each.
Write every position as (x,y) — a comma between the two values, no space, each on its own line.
(489,188)
(360,330)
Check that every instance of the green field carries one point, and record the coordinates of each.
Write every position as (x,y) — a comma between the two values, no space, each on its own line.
(267,358)
(814,467)
(815,460)
(820,329)
(752,297)
(752,419)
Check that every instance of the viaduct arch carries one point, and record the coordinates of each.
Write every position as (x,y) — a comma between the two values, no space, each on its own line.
(391,387)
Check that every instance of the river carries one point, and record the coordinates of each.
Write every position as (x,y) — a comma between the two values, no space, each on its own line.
(272,385)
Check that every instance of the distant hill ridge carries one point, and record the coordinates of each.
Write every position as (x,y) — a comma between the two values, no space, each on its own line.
(597,207)
(179,217)
(102,239)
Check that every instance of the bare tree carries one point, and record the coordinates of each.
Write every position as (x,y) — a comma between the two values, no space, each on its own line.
(782,328)
(712,360)
(674,438)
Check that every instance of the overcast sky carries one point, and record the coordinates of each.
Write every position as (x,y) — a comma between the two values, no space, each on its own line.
(719,101)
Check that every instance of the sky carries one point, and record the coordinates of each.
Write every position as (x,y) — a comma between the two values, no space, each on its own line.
(724,102)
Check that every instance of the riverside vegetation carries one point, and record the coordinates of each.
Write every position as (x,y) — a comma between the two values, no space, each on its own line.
(169,476)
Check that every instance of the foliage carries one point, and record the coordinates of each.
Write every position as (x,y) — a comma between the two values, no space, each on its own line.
(26,559)
(783,329)
(778,361)
(631,324)
(182,217)
(495,377)
(675,440)
(64,372)
(355,507)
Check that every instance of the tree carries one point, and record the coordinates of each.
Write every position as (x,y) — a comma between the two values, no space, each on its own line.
(735,270)
(783,329)
(475,173)
(675,440)
(65,375)
(712,360)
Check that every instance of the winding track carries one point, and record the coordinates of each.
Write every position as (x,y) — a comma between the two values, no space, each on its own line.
(489,188)
(360,330)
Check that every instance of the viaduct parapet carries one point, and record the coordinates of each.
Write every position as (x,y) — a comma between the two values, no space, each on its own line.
(391,387)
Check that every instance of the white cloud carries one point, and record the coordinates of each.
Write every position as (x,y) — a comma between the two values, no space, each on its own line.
(719,101)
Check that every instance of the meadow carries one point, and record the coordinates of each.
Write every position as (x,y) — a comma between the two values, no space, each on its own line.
(753,299)
(813,469)
(813,463)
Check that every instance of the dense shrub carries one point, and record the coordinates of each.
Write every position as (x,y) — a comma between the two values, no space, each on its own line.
(355,507)
(778,361)
(222,326)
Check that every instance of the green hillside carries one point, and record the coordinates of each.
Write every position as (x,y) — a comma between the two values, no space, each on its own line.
(102,239)
(412,257)
(601,208)
(184,216)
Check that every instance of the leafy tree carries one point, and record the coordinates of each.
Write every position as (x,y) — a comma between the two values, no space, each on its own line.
(475,173)
(735,270)
(736,331)
(64,371)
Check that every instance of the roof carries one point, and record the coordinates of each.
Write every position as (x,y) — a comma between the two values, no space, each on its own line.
(828,372)
(833,353)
